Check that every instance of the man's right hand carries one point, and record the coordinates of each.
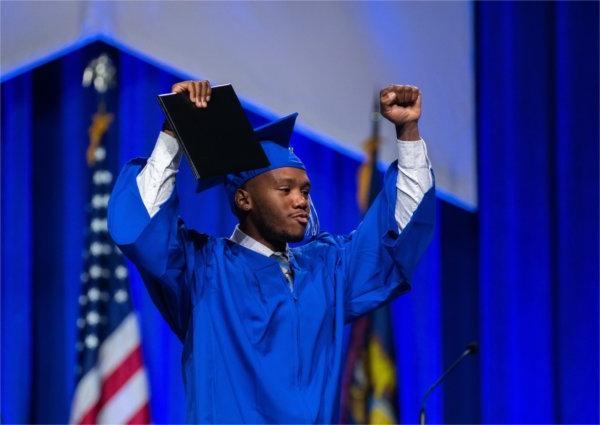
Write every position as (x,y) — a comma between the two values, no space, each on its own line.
(199,91)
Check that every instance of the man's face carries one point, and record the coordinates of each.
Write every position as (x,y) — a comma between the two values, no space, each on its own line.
(279,204)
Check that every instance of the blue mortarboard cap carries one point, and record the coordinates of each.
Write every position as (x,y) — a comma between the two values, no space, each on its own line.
(274,138)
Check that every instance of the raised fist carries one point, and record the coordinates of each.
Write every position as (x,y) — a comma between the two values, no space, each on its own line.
(400,104)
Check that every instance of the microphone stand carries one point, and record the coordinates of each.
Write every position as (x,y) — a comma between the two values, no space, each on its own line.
(472,348)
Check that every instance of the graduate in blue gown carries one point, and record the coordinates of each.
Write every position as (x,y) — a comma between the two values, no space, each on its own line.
(262,323)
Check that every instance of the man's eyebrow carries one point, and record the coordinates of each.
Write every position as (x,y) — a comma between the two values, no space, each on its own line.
(289,180)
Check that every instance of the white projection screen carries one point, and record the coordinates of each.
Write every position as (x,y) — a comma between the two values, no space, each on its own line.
(324,60)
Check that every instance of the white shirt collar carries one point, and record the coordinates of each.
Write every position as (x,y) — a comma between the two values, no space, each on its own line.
(252,244)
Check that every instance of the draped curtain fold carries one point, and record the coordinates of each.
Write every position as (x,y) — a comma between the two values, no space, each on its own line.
(537,70)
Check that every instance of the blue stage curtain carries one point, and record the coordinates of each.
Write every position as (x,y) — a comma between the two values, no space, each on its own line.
(537,71)
(16,249)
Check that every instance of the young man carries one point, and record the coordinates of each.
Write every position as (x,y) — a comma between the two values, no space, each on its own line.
(262,324)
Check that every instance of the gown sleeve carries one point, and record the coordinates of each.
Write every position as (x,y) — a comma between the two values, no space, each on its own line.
(377,260)
(163,250)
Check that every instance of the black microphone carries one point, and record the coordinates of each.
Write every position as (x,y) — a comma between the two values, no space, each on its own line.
(472,348)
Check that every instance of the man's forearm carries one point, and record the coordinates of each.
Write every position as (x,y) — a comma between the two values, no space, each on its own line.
(157,179)
(414,179)
(408,131)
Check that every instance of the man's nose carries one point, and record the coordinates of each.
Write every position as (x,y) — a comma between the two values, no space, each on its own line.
(300,201)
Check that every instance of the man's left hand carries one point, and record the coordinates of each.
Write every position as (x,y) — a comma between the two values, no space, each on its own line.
(401,105)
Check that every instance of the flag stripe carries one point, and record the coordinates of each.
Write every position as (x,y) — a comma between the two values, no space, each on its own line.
(87,394)
(115,349)
(142,416)
(90,416)
(126,402)
(118,345)
(113,383)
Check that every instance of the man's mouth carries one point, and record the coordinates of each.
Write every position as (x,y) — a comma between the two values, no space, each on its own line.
(301,218)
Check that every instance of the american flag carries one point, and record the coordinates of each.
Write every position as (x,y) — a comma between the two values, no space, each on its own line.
(111,382)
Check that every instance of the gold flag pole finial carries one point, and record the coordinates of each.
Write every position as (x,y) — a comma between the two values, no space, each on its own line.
(100,73)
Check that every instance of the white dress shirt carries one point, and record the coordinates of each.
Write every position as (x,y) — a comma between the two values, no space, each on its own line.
(157,179)
(283,258)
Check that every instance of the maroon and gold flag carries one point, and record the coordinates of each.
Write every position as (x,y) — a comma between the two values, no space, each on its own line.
(369,391)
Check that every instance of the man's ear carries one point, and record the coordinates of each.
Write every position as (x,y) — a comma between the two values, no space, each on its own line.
(243,200)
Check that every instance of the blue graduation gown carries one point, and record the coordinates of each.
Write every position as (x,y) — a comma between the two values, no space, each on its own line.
(254,351)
